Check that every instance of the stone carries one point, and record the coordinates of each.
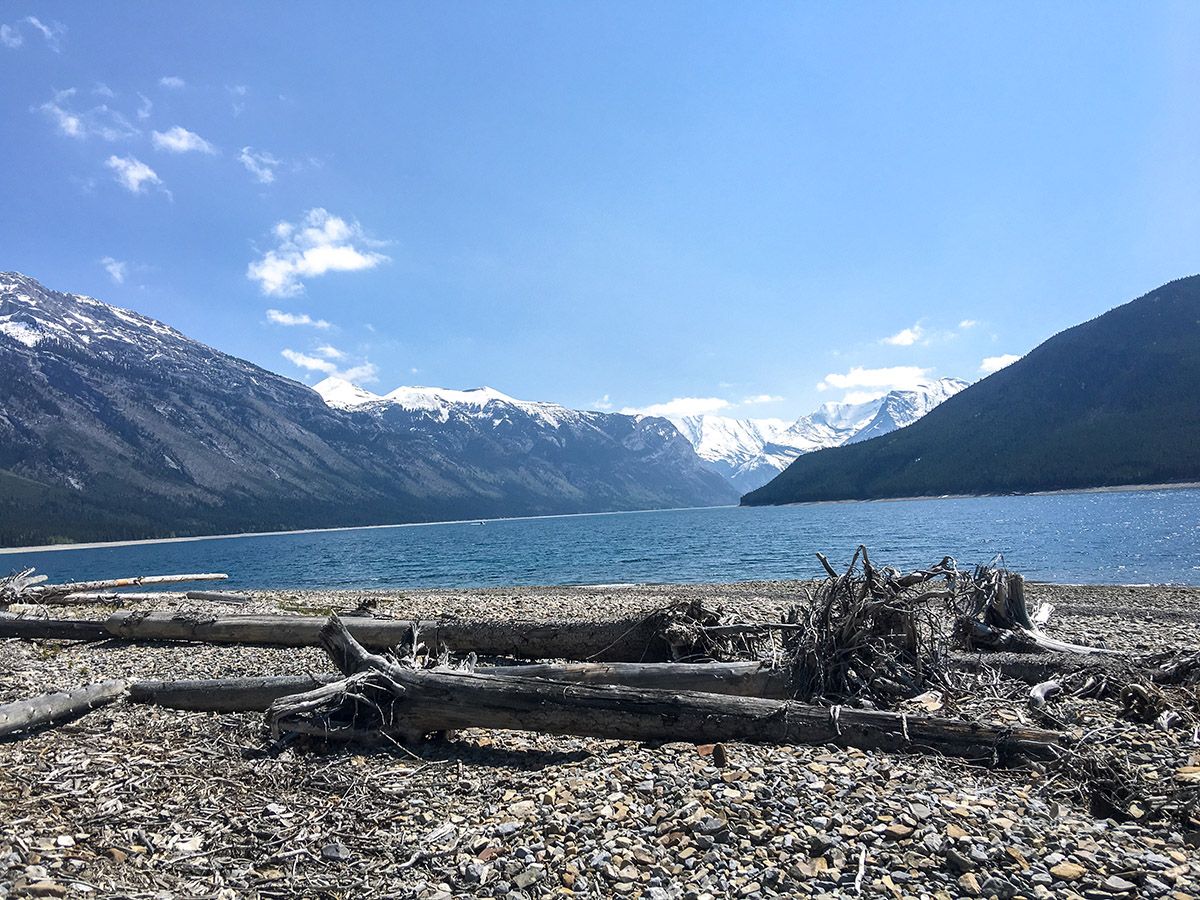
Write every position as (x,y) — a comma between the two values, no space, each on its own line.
(1068,871)
(1115,884)
(970,884)
(335,851)
(529,877)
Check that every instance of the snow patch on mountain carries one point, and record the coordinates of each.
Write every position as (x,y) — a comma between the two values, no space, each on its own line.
(750,452)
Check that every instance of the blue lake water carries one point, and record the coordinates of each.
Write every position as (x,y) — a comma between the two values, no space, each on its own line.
(1124,537)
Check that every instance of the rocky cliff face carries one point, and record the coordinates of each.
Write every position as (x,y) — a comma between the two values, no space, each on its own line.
(114,425)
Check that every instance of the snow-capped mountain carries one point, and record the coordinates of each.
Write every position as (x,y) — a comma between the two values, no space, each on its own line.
(115,425)
(901,408)
(750,452)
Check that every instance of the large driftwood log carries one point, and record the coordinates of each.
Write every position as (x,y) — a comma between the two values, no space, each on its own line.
(425,701)
(616,640)
(48,593)
(52,629)
(118,597)
(256,694)
(25,714)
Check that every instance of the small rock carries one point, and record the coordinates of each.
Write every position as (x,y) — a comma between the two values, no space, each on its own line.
(529,876)
(1115,884)
(970,884)
(1068,871)
(335,851)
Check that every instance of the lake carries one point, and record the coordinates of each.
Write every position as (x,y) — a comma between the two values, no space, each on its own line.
(1123,537)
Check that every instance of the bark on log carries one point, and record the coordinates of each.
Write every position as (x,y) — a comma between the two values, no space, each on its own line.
(256,694)
(618,640)
(52,629)
(25,714)
(430,701)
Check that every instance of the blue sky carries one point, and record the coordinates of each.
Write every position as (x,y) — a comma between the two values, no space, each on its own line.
(606,204)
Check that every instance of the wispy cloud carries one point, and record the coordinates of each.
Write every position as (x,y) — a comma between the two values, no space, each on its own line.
(992,364)
(882,379)
(279,317)
(363,373)
(905,337)
(53,32)
(238,92)
(173,82)
(602,404)
(967,324)
(100,121)
(260,164)
(330,352)
(319,243)
(755,399)
(680,406)
(144,109)
(180,140)
(100,89)
(116,269)
(131,173)
(10,37)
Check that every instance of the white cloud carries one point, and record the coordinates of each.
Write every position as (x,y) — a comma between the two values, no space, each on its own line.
(992,364)
(320,243)
(10,37)
(906,337)
(116,269)
(259,164)
(364,373)
(761,398)
(681,406)
(172,81)
(603,403)
(886,379)
(279,317)
(99,121)
(967,323)
(132,173)
(330,352)
(180,140)
(52,33)
(147,104)
(237,91)
(100,89)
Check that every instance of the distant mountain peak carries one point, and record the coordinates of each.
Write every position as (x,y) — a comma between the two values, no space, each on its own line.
(342,394)
(750,452)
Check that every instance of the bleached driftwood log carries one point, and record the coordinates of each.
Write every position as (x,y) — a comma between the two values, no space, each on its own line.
(22,715)
(119,597)
(416,702)
(246,694)
(615,640)
(51,593)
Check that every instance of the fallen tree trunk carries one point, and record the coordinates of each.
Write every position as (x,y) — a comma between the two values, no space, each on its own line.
(617,640)
(48,593)
(117,597)
(416,702)
(25,714)
(256,694)
(52,629)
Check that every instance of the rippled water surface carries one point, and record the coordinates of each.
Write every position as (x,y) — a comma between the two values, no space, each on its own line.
(1117,537)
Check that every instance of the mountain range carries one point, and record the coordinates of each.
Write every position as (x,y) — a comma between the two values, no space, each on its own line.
(1109,402)
(114,425)
(750,452)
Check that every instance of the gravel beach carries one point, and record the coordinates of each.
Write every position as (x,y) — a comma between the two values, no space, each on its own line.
(137,801)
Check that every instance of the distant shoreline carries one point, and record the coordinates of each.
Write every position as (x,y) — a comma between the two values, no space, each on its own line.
(99,545)
(1103,489)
